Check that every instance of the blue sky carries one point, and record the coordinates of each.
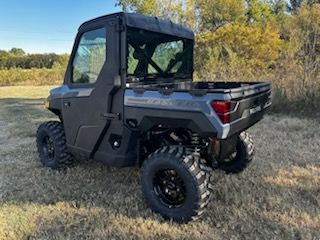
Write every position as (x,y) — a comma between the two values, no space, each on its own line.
(44,26)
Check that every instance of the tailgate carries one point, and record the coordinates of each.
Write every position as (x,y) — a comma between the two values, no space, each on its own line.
(250,103)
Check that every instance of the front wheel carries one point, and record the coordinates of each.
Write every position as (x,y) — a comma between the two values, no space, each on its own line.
(51,144)
(176,183)
(241,158)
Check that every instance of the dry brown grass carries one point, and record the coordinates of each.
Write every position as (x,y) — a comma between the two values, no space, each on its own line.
(25,92)
(33,77)
(278,197)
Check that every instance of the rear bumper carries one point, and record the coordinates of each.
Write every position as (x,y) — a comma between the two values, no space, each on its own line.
(245,123)
(247,112)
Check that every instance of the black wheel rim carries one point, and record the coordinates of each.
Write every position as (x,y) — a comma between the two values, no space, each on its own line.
(232,158)
(170,188)
(48,147)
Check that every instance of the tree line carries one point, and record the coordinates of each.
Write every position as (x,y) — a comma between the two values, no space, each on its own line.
(17,58)
(260,40)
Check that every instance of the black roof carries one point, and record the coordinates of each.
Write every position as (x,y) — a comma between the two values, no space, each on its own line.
(149,23)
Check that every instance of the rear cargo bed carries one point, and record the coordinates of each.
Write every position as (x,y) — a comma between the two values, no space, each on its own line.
(236,89)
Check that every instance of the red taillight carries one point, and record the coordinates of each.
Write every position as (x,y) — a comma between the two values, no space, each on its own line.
(222,108)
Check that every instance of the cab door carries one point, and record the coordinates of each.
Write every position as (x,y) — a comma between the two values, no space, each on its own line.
(90,81)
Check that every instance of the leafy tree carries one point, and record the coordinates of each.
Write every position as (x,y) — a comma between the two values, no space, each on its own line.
(215,14)
(305,40)
(17,52)
(258,11)
(279,9)
(250,48)
(296,4)
(3,53)
(62,62)
(17,58)
(150,7)
(176,10)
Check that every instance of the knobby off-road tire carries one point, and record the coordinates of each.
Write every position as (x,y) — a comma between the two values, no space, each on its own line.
(243,156)
(180,168)
(51,144)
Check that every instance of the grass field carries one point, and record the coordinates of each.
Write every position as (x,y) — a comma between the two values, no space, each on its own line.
(278,197)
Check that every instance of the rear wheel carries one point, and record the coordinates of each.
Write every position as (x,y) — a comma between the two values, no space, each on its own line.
(242,157)
(176,183)
(51,144)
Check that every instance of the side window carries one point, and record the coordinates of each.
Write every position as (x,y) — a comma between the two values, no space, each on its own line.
(90,57)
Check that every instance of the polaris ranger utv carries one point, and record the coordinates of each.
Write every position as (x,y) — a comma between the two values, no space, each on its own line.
(128,99)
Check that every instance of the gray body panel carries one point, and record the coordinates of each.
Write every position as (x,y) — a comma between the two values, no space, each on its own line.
(105,120)
(181,103)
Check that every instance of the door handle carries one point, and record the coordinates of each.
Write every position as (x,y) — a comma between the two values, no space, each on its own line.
(66,104)
(111,116)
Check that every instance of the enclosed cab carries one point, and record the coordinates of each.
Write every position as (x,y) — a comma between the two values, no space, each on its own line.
(129,99)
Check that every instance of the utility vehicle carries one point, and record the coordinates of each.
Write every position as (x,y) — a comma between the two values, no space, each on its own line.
(129,99)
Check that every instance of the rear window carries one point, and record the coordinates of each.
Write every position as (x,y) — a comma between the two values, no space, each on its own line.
(153,54)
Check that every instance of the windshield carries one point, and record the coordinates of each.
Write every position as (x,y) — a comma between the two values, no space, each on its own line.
(153,55)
